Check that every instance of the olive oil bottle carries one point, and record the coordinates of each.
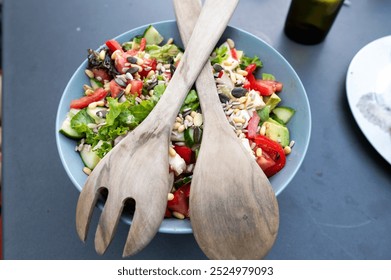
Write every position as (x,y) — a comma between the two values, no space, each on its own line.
(309,21)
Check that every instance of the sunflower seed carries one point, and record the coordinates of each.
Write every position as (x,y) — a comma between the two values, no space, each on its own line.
(131,59)
(238,92)
(133,70)
(217,67)
(120,82)
(223,98)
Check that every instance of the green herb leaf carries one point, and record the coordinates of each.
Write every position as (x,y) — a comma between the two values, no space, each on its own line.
(246,61)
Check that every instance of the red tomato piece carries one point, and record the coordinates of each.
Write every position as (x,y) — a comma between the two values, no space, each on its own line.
(273,150)
(180,202)
(115,89)
(113,45)
(253,125)
(265,89)
(143,44)
(168,213)
(234,54)
(83,102)
(137,87)
(101,74)
(120,62)
(149,64)
(277,86)
(265,161)
(184,152)
(251,68)
(132,52)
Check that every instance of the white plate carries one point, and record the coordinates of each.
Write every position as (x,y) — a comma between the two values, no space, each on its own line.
(368,86)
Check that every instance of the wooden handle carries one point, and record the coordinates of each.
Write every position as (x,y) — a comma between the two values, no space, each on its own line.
(211,24)
(187,13)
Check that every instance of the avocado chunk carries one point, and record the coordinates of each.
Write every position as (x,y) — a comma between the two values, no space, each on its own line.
(276,132)
(272,101)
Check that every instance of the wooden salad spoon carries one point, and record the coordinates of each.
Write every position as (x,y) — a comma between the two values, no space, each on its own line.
(137,168)
(233,208)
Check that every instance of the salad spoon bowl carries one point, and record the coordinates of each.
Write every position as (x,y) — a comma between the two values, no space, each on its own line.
(233,208)
(137,168)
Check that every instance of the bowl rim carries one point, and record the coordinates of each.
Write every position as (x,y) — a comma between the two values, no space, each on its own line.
(185,227)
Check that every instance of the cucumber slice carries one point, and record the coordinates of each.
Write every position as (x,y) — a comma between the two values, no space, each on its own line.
(68,131)
(189,137)
(192,136)
(89,157)
(283,114)
(152,36)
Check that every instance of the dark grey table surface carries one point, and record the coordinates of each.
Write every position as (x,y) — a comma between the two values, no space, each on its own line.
(337,207)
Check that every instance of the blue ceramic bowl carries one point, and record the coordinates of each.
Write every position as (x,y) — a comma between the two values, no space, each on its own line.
(293,95)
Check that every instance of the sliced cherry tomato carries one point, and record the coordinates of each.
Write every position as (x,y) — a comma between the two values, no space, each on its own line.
(115,89)
(274,151)
(180,202)
(137,87)
(83,102)
(113,45)
(184,152)
(253,125)
(221,73)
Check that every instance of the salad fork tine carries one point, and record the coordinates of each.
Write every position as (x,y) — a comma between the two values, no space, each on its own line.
(108,223)
(129,170)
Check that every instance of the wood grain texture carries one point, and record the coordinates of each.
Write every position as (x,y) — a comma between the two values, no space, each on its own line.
(138,166)
(233,209)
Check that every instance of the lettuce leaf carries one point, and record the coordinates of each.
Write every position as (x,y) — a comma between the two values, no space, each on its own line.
(220,54)
(191,101)
(164,52)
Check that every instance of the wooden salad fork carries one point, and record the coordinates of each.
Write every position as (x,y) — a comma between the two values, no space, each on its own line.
(233,208)
(137,168)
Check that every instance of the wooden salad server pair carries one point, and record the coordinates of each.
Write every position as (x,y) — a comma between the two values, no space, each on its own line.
(233,208)
(137,168)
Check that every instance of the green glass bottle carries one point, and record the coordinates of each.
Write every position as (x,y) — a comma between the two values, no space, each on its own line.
(309,21)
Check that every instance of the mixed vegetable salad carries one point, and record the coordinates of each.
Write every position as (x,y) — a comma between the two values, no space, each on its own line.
(127,80)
